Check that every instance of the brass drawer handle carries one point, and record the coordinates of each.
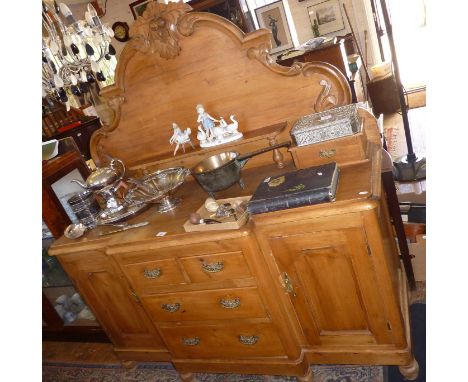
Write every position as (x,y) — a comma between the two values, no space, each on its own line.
(171,308)
(327,153)
(190,341)
(248,340)
(152,274)
(287,284)
(213,267)
(230,303)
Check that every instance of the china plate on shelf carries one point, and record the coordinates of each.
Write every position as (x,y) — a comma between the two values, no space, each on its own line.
(127,212)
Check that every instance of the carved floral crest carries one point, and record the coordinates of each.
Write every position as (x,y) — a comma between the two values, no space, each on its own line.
(156,30)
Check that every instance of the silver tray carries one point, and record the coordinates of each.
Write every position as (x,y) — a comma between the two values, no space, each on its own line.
(127,212)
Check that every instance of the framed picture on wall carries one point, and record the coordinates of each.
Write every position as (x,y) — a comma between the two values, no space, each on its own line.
(273,17)
(327,16)
(138,7)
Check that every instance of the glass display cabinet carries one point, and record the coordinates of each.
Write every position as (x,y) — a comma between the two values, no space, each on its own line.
(65,316)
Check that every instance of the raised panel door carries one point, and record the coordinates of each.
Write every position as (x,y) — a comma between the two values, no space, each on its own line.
(116,306)
(332,286)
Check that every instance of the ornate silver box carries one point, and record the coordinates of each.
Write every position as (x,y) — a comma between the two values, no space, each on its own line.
(326,125)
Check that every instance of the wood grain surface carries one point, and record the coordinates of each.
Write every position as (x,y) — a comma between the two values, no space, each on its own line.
(219,66)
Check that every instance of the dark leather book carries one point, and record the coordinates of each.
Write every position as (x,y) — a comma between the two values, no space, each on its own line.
(303,187)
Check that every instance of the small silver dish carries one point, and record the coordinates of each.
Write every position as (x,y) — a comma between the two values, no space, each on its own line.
(74,231)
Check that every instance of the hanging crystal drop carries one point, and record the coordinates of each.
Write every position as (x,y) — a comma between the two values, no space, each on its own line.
(83,87)
(83,76)
(89,49)
(67,105)
(100,76)
(113,64)
(58,81)
(73,79)
(62,95)
(111,50)
(74,89)
(90,78)
(52,66)
(97,40)
(54,48)
(89,19)
(64,50)
(108,30)
(107,56)
(74,48)
(88,31)
(67,40)
(94,66)
(75,39)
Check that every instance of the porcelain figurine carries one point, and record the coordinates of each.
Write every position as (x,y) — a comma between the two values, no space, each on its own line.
(180,137)
(206,120)
(213,134)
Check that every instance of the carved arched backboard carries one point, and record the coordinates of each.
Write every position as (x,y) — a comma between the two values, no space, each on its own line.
(177,59)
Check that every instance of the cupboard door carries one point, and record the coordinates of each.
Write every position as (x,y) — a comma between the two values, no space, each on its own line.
(333,286)
(114,303)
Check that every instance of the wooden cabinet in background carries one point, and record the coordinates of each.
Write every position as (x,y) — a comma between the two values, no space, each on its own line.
(336,55)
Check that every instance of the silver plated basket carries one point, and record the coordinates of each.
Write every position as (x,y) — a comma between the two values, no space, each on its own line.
(326,125)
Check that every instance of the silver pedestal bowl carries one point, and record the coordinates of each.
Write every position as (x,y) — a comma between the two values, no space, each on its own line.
(159,187)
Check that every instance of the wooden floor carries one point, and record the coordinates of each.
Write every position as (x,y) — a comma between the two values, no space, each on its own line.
(78,352)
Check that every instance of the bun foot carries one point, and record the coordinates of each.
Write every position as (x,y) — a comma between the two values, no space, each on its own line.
(309,377)
(128,364)
(410,372)
(187,377)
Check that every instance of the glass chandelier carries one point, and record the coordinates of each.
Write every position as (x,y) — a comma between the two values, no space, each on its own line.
(71,51)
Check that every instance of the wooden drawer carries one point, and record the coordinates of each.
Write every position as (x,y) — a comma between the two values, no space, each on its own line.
(221,304)
(152,273)
(342,150)
(217,267)
(223,341)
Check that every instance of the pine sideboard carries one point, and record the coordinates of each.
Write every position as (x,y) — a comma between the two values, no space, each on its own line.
(311,285)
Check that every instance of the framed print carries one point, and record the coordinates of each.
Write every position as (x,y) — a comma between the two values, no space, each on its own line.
(138,7)
(327,16)
(272,17)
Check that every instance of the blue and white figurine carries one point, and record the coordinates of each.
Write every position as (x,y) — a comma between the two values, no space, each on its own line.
(215,134)
(180,137)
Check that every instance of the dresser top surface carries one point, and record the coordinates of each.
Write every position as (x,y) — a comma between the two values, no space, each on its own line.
(355,185)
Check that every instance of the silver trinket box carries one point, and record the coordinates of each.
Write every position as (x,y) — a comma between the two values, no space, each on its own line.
(326,125)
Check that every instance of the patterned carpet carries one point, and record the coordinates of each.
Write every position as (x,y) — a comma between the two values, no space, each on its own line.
(163,372)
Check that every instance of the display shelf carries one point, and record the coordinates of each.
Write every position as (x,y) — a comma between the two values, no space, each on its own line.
(52,293)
